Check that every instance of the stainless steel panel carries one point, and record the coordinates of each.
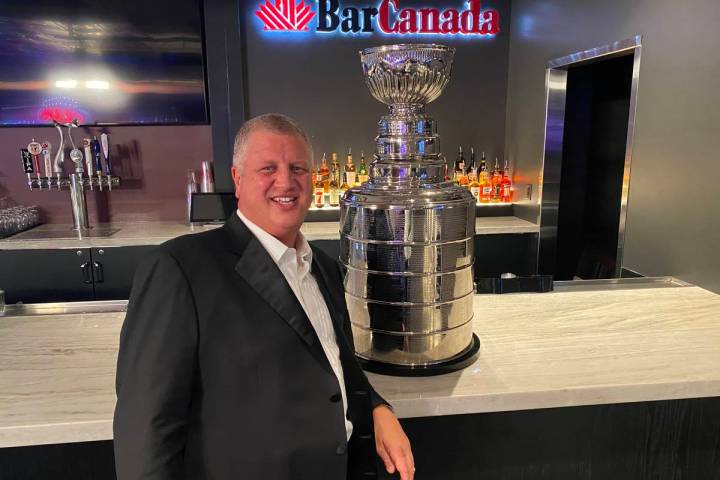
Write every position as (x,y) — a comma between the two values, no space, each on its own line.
(619,284)
(596,53)
(555,85)
(628,157)
(64,308)
(62,232)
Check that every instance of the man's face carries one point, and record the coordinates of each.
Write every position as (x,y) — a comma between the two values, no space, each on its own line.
(273,185)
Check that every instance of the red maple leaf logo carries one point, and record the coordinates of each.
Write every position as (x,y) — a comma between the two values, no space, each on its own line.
(285,15)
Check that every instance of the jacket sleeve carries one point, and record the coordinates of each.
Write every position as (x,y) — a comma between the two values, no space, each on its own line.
(156,369)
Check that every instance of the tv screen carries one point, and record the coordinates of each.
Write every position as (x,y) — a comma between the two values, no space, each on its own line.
(103,63)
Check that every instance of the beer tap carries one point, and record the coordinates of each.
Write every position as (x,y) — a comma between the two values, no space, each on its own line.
(75,181)
(106,153)
(75,154)
(87,147)
(35,148)
(60,155)
(47,161)
(98,163)
(77,187)
(27,165)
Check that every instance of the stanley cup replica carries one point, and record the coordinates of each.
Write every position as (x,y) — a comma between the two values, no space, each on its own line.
(407,234)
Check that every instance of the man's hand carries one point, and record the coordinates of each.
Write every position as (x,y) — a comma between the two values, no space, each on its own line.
(392,444)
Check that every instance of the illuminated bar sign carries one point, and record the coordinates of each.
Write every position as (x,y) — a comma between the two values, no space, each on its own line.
(387,17)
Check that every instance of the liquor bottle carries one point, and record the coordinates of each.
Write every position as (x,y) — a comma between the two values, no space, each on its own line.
(362,171)
(472,174)
(350,175)
(319,191)
(483,164)
(473,184)
(464,179)
(486,190)
(495,181)
(334,196)
(324,173)
(471,166)
(506,184)
(459,169)
(344,187)
(313,178)
(335,171)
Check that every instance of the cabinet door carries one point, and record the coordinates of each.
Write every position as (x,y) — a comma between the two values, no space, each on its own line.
(113,269)
(38,276)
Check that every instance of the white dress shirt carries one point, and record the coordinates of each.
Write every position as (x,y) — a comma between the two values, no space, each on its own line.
(295,263)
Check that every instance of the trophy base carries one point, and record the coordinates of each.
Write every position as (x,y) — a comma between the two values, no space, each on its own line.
(454,364)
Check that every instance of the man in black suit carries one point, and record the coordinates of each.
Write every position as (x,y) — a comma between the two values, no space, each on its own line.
(236,356)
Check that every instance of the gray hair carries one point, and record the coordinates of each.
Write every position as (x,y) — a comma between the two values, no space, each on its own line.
(272,122)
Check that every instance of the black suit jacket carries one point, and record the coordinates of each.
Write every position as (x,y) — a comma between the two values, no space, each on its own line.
(220,374)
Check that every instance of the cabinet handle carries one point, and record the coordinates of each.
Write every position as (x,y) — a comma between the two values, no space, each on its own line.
(85,268)
(98,272)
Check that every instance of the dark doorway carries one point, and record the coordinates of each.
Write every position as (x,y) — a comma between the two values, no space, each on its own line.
(593,162)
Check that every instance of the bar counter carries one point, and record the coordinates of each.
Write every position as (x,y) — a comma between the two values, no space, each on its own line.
(60,236)
(606,345)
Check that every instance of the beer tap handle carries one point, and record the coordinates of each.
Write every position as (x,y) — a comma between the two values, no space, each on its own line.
(75,154)
(106,153)
(27,163)
(98,164)
(87,148)
(47,160)
(59,155)
(35,149)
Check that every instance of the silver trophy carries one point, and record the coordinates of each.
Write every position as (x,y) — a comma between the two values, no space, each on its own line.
(407,234)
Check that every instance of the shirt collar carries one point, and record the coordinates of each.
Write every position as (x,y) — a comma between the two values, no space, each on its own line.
(277,249)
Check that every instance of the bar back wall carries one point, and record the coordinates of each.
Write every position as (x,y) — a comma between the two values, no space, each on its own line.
(311,76)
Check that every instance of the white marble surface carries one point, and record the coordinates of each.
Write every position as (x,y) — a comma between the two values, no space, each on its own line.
(538,351)
(154,233)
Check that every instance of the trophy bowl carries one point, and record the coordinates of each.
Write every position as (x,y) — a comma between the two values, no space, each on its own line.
(407,74)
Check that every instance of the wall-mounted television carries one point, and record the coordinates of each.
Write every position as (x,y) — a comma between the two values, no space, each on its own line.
(124,62)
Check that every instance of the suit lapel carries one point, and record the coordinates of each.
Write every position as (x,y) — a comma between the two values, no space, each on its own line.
(257,268)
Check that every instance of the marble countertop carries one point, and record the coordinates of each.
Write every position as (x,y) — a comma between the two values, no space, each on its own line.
(153,233)
(556,349)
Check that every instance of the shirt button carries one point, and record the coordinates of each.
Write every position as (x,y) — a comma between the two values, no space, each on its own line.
(340,449)
(336,398)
